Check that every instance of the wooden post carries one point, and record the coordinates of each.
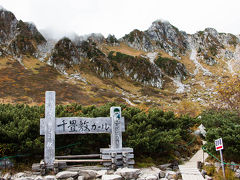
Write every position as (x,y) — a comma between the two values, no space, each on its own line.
(49,143)
(116,135)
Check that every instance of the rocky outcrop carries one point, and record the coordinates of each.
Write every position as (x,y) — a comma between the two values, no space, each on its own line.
(168,37)
(8,26)
(161,35)
(99,63)
(65,54)
(172,67)
(20,38)
(138,69)
(138,40)
(210,45)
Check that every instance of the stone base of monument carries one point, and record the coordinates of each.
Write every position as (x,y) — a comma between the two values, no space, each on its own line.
(41,168)
(117,158)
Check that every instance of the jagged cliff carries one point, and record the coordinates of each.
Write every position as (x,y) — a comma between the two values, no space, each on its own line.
(162,57)
(17,37)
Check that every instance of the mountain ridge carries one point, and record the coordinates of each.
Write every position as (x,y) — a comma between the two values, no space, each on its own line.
(181,66)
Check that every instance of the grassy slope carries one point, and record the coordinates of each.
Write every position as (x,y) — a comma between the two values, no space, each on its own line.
(27,84)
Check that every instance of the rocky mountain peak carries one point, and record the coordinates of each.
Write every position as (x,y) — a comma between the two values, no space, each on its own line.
(211,31)
(8,25)
(18,37)
(168,37)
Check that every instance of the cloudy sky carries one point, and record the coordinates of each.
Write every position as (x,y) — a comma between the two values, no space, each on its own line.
(119,17)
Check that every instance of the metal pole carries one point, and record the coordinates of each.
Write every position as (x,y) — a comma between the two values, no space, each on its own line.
(222,164)
(203,157)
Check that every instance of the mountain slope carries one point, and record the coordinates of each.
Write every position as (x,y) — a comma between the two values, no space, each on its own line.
(161,66)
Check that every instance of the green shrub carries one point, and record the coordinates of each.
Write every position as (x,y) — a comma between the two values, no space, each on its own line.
(151,134)
(224,124)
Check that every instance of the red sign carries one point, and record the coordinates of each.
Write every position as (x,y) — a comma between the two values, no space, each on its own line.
(219,144)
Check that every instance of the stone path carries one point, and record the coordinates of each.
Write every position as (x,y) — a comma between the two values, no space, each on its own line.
(189,169)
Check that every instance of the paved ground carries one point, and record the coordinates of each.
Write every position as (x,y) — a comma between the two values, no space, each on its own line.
(189,169)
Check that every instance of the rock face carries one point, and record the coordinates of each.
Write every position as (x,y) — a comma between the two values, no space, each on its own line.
(161,35)
(65,54)
(138,40)
(17,36)
(138,69)
(168,37)
(172,67)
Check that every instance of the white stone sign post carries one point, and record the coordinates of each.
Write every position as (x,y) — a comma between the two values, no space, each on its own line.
(50,125)
(116,136)
(49,142)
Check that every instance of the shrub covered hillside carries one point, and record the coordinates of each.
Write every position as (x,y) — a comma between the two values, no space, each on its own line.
(152,134)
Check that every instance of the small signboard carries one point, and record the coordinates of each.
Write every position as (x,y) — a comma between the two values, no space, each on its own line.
(219,144)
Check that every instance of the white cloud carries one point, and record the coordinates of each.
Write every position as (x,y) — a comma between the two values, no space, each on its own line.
(122,16)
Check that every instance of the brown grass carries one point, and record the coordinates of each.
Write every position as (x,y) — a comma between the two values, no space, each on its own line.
(33,64)
(123,48)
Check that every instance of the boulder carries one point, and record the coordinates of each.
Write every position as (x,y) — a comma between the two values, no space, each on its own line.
(207,164)
(50,177)
(217,166)
(19,175)
(197,132)
(24,178)
(152,171)
(6,176)
(177,153)
(203,172)
(164,166)
(171,175)
(208,177)
(70,178)
(151,177)
(237,173)
(80,178)
(38,178)
(111,177)
(66,174)
(128,173)
(148,176)
(88,174)
(202,130)
(101,173)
